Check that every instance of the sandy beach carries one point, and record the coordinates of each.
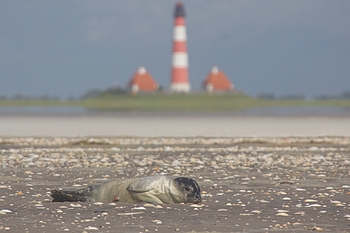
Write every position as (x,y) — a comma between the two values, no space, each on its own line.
(289,184)
(168,125)
(257,174)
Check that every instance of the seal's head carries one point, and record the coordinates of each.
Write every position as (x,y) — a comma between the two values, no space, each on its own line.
(190,189)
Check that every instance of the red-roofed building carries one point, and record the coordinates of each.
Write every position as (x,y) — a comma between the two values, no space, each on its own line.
(217,81)
(142,81)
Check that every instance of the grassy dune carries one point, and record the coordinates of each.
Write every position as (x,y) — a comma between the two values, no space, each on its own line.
(176,102)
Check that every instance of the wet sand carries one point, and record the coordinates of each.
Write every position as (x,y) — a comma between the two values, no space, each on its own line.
(254,184)
(169,125)
(258,174)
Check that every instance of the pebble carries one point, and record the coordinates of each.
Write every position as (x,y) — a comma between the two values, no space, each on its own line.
(90,228)
(130,213)
(314,205)
(310,200)
(256,211)
(315,228)
(282,211)
(197,205)
(98,203)
(149,205)
(75,205)
(336,202)
(222,210)
(301,213)
(282,214)
(157,221)
(5,211)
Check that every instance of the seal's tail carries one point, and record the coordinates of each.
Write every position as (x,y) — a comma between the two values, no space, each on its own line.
(71,196)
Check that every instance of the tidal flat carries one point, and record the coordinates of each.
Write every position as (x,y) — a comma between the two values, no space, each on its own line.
(249,184)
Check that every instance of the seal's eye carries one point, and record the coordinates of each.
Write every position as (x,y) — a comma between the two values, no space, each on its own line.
(187,189)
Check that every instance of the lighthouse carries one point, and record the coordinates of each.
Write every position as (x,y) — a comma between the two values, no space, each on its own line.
(179,72)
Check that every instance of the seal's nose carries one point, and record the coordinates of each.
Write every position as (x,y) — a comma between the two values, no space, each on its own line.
(199,198)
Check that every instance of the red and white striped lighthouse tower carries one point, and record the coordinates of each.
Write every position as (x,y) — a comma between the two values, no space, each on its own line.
(179,73)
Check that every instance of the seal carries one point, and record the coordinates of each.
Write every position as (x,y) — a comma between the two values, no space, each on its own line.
(150,189)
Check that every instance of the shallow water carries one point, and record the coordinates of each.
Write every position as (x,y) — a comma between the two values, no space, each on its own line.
(299,111)
(251,112)
(25,110)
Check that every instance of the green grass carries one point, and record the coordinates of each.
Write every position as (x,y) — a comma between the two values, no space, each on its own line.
(167,102)
(176,102)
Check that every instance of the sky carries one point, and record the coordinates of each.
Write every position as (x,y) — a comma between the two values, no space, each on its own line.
(65,48)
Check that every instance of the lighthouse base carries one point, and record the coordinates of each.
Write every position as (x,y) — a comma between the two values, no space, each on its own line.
(180,87)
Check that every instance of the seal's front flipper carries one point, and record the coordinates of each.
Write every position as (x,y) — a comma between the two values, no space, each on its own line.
(71,196)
